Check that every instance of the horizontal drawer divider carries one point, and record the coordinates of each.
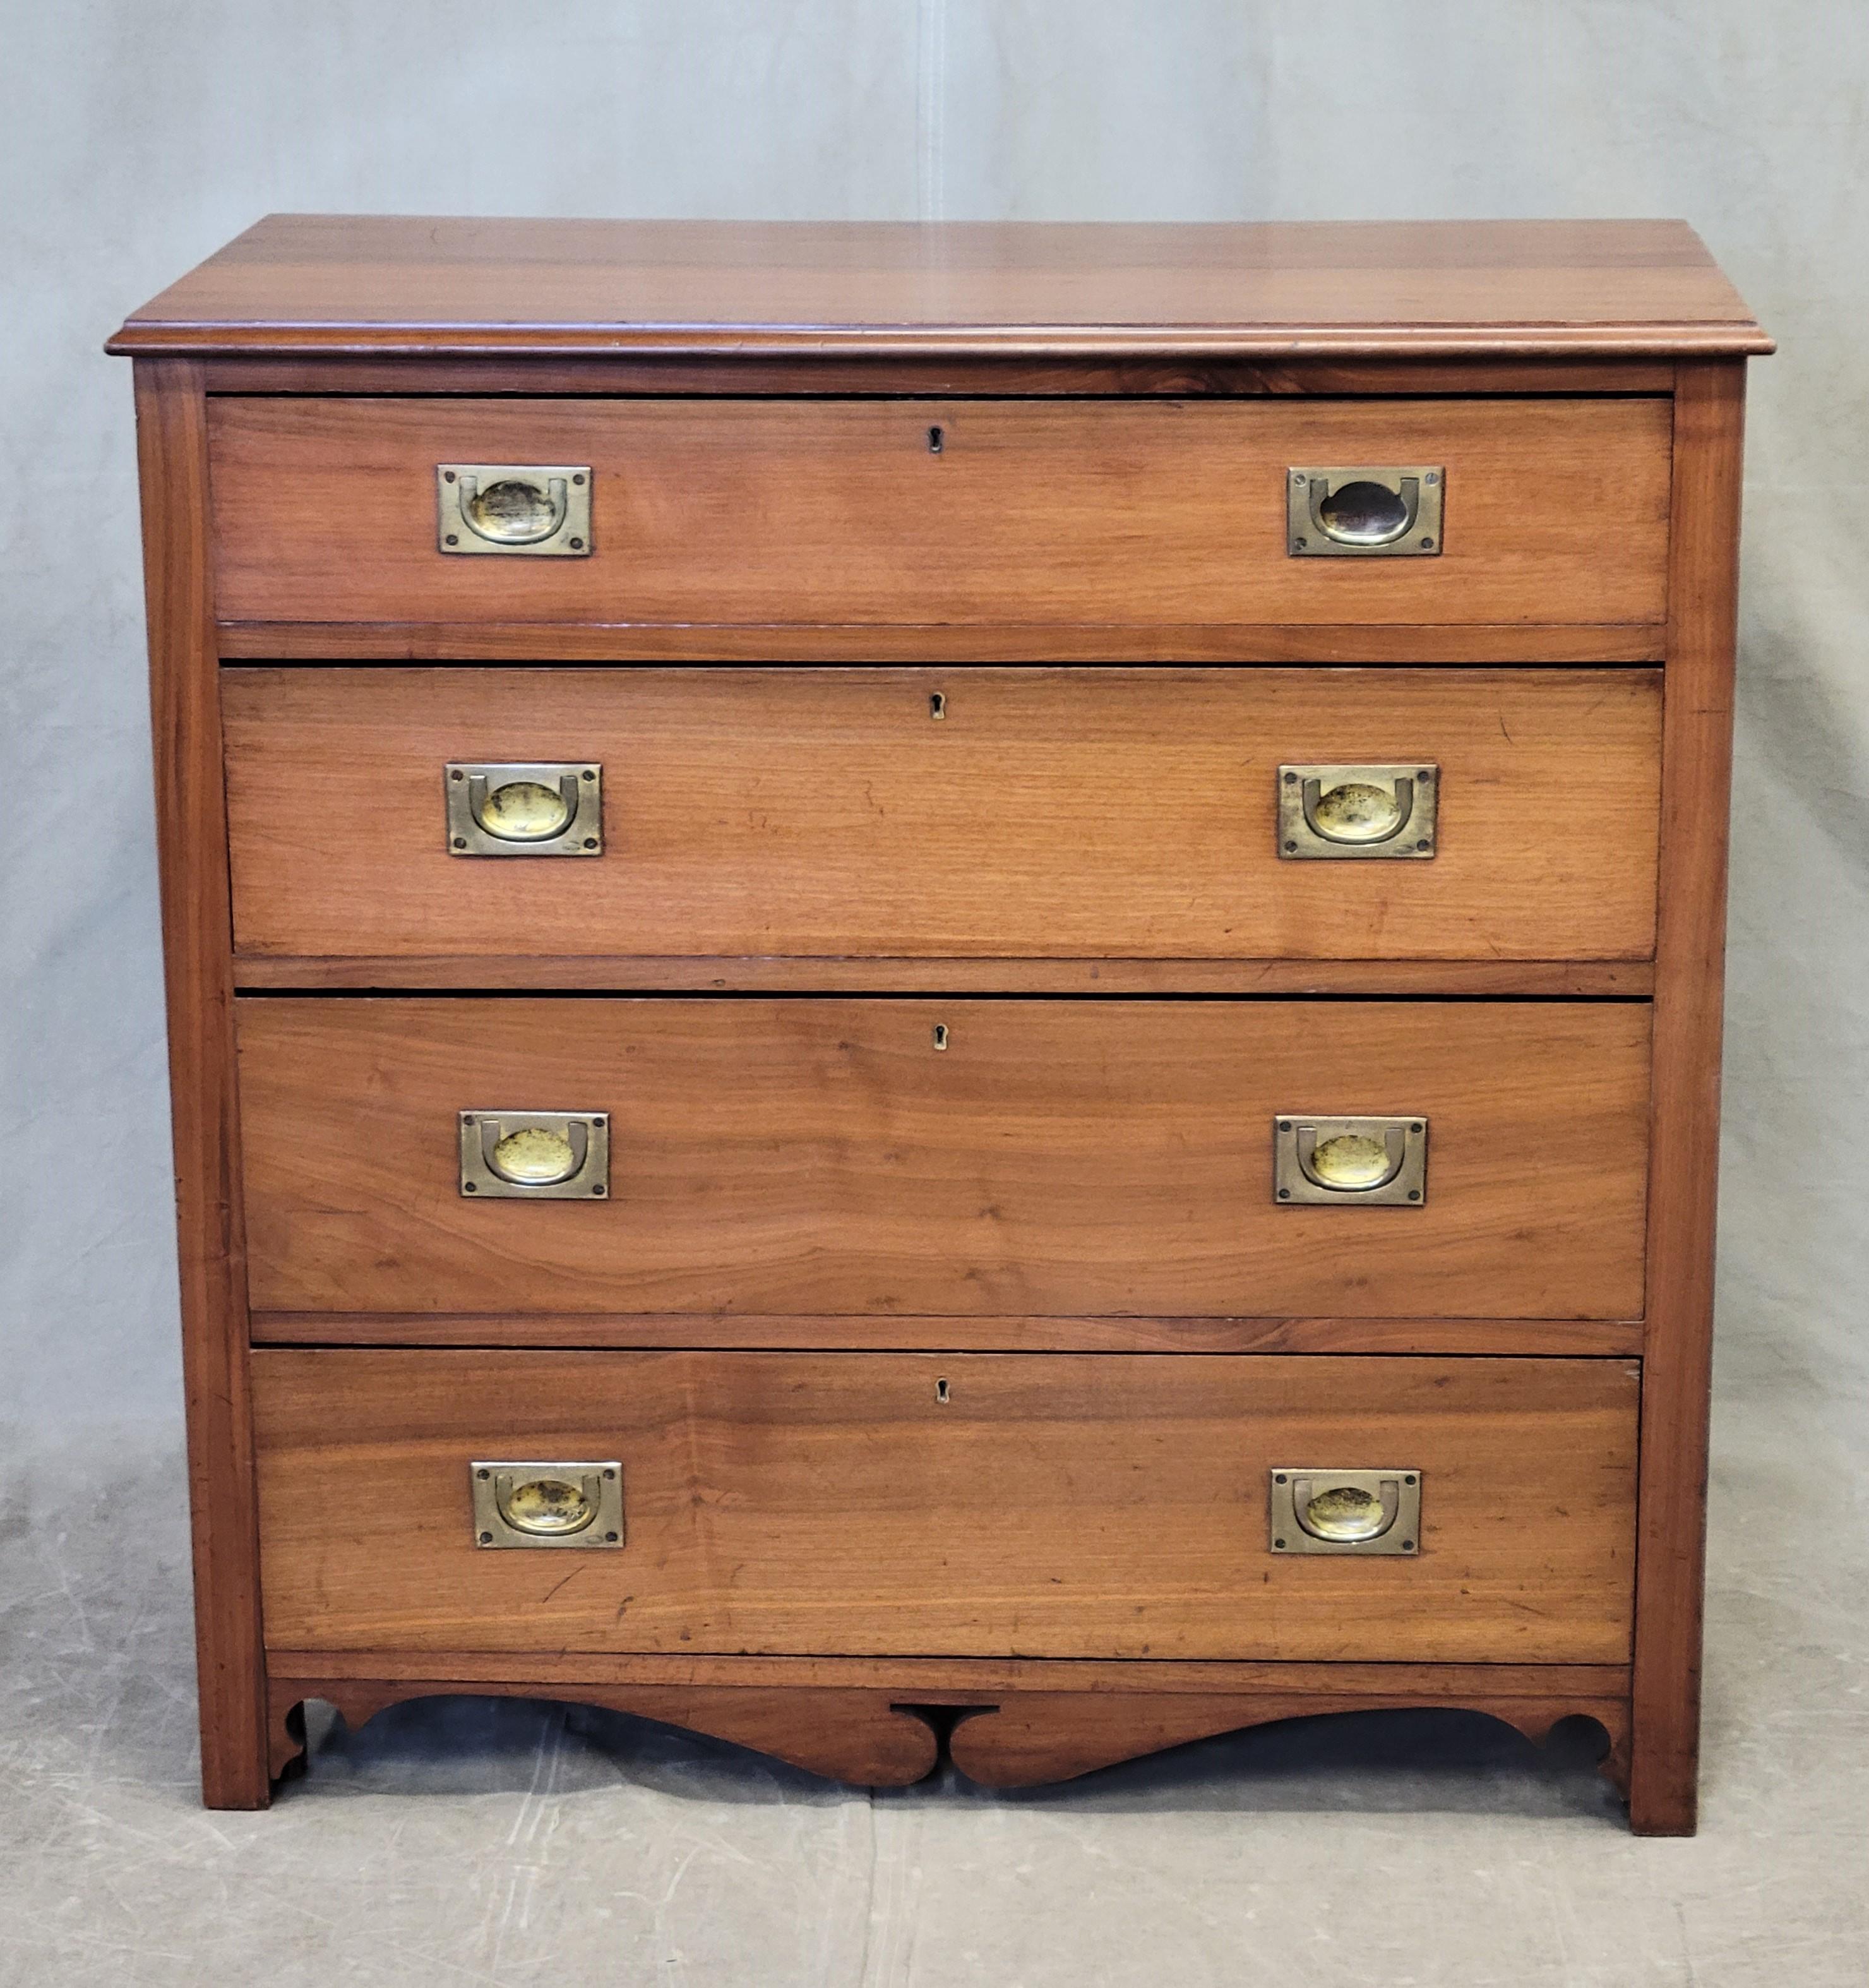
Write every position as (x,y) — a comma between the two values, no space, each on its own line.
(978,979)
(1518,1338)
(1500,645)
(970,1675)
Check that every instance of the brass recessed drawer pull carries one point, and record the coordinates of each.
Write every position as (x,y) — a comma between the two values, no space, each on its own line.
(535,1155)
(1334,812)
(507,507)
(524,808)
(1346,1511)
(1350,1162)
(547,1504)
(1393,513)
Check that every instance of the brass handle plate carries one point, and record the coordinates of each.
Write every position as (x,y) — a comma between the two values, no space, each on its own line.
(1383,512)
(549,1505)
(535,1155)
(1361,1162)
(541,509)
(1335,814)
(1315,1511)
(523,808)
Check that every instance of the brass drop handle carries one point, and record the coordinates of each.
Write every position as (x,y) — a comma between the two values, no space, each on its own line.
(519,1504)
(541,509)
(1389,509)
(1315,1511)
(515,809)
(1322,1162)
(1335,812)
(535,1155)
(515,511)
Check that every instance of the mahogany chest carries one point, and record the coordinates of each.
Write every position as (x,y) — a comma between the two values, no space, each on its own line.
(950,986)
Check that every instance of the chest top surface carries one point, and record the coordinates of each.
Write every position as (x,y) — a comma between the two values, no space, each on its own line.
(336,283)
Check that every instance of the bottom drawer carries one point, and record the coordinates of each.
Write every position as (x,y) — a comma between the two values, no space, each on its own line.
(1109,1505)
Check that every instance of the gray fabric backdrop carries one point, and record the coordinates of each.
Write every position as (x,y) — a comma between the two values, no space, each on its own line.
(137,138)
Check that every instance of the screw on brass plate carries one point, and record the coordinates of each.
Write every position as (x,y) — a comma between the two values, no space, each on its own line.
(937,704)
(941,1035)
(941,1390)
(935,439)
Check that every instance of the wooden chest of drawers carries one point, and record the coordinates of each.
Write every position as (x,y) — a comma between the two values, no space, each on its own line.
(949,986)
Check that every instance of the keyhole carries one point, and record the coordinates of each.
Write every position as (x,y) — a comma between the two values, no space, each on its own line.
(935,439)
(941,1391)
(937,704)
(941,1035)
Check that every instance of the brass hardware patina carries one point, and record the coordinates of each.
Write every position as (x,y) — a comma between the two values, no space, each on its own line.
(1336,812)
(1348,1162)
(547,1504)
(1384,512)
(1345,1511)
(541,509)
(524,808)
(535,1155)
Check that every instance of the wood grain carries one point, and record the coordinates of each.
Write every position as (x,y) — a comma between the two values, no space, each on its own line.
(372,284)
(1049,812)
(816,1156)
(1685,1139)
(1107,1506)
(191,834)
(1032,511)
(1580,1337)
(526,972)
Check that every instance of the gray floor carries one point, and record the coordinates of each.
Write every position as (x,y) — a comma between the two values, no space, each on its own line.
(464,1841)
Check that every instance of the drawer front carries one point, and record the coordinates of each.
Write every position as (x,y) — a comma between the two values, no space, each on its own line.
(820,511)
(1053,813)
(985,1158)
(1106,1506)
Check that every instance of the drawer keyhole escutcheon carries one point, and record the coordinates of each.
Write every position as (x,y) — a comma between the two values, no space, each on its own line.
(1336,812)
(538,509)
(524,808)
(547,1504)
(1314,1511)
(1320,1162)
(1383,512)
(535,1155)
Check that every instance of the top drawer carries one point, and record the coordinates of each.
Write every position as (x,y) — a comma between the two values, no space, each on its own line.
(753,512)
